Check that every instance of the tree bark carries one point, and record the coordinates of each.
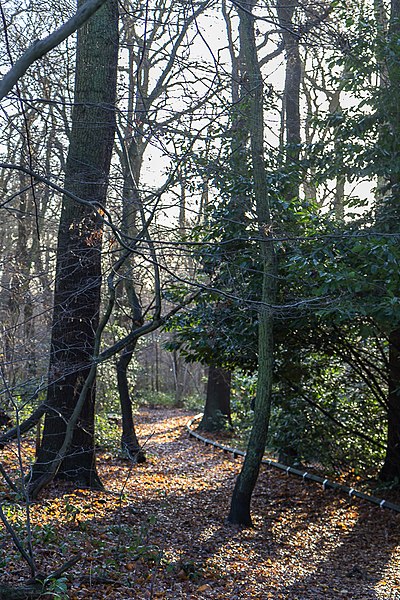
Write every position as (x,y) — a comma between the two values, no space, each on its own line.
(389,215)
(285,10)
(217,410)
(391,468)
(27,592)
(132,159)
(240,504)
(78,270)
(129,441)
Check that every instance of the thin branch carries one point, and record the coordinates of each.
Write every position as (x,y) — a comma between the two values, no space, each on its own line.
(17,542)
(25,426)
(41,47)
(58,572)
(8,480)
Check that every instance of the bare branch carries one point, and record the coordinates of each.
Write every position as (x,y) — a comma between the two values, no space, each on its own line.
(17,542)
(41,47)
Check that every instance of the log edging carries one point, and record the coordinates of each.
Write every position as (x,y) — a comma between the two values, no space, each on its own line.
(326,483)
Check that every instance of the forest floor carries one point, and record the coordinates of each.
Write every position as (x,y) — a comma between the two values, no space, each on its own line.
(159,530)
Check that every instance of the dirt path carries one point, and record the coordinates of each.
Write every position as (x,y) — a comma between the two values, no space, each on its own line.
(159,531)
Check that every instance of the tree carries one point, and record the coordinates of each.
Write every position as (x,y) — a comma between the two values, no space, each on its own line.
(204,333)
(291,94)
(240,503)
(147,90)
(236,257)
(389,218)
(78,271)
(368,145)
(217,409)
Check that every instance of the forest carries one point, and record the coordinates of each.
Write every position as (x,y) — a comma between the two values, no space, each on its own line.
(200,299)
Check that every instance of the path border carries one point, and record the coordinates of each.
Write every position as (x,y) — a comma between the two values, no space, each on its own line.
(326,483)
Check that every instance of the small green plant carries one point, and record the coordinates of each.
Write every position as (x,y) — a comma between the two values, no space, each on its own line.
(72,510)
(186,567)
(168,399)
(57,588)
(84,525)
(46,533)
(135,545)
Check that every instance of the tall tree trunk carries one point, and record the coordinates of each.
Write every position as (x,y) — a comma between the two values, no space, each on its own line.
(291,94)
(240,504)
(78,270)
(131,163)
(217,410)
(389,216)
(156,365)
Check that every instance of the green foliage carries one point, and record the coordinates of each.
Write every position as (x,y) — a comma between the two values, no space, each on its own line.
(167,399)
(47,533)
(107,430)
(338,288)
(57,588)
(107,433)
(322,418)
(216,331)
(215,422)
(243,393)
(319,407)
(135,543)
(350,274)
(362,140)
(151,398)
(338,293)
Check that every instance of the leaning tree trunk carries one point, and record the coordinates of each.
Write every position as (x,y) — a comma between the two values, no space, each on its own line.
(78,270)
(217,410)
(240,504)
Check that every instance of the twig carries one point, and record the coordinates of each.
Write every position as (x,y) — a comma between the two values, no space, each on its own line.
(58,572)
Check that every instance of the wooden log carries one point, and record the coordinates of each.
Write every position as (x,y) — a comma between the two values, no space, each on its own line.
(9,592)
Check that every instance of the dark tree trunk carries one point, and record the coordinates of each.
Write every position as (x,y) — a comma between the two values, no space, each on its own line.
(388,217)
(217,410)
(239,513)
(130,207)
(391,467)
(178,372)
(129,441)
(5,420)
(78,270)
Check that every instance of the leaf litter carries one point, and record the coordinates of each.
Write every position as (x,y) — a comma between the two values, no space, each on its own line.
(159,530)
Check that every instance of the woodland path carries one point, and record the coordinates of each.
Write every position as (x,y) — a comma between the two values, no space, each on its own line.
(159,530)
